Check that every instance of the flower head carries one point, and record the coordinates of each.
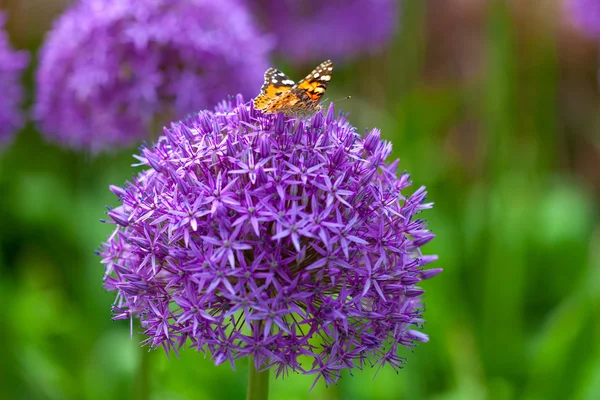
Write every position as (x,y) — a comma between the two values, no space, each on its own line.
(585,14)
(291,241)
(12,64)
(314,30)
(110,70)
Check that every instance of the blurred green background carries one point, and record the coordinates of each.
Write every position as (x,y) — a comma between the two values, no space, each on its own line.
(493,105)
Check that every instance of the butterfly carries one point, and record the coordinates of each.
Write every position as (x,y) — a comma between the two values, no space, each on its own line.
(280,94)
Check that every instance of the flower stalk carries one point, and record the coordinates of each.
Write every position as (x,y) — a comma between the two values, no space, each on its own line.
(142,387)
(258,382)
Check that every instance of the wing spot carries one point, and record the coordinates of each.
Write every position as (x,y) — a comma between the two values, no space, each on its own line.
(325,78)
(287,82)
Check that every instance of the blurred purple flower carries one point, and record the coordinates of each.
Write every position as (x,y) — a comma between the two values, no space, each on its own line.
(12,64)
(314,30)
(254,234)
(585,14)
(110,70)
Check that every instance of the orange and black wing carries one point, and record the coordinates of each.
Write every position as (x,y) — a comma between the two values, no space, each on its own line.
(276,83)
(315,84)
(286,103)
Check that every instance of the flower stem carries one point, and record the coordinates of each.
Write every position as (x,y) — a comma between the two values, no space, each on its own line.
(258,382)
(142,385)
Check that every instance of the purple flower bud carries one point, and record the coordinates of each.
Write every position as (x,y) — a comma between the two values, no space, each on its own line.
(430,273)
(421,240)
(153,160)
(413,292)
(428,259)
(118,217)
(418,336)
(410,280)
(372,140)
(118,191)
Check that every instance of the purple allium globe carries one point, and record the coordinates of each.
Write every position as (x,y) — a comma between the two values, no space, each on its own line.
(111,70)
(12,64)
(585,14)
(259,235)
(313,30)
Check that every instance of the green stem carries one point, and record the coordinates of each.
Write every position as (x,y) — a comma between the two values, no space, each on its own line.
(142,385)
(258,382)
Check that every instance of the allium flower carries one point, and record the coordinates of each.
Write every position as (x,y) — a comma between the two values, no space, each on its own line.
(110,70)
(586,16)
(12,64)
(255,235)
(314,30)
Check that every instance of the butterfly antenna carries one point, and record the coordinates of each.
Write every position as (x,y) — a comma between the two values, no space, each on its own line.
(343,98)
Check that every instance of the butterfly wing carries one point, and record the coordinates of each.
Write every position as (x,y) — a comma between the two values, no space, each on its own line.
(276,83)
(315,84)
(284,103)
